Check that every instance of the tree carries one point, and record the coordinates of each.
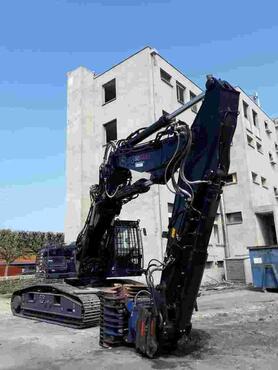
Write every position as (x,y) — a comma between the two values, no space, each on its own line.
(35,240)
(14,244)
(11,247)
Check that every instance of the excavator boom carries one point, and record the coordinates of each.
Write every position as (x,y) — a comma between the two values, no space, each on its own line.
(150,317)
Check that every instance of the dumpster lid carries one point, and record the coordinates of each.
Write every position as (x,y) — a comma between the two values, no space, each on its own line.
(275,246)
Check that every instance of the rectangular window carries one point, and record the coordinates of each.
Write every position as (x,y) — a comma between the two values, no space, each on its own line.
(180,92)
(216,233)
(231,179)
(110,130)
(255,178)
(259,147)
(264,182)
(267,128)
(170,210)
(165,76)
(276,147)
(192,96)
(255,118)
(220,264)
(109,91)
(250,141)
(234,218)
(245,109)
(209,264)
(272,160)
(275,192)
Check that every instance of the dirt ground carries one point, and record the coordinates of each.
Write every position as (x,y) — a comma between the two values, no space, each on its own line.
(234,329)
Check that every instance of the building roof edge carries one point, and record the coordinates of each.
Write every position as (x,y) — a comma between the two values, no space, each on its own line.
(130,56)
(194,83)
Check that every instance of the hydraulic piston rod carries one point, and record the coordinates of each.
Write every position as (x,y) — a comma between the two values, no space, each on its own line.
(184,107)
(164,121)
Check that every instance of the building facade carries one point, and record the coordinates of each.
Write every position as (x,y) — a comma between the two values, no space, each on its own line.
(250,195)
(134,94)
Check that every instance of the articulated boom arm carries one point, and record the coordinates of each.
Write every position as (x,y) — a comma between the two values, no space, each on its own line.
(201,174)
(201,154)
(157,157)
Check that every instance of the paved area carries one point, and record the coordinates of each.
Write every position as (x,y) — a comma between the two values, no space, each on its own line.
(234,329)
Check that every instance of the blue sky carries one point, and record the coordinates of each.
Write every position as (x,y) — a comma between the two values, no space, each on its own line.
(41,40)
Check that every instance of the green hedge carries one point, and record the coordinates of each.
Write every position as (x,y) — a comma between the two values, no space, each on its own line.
(9,286)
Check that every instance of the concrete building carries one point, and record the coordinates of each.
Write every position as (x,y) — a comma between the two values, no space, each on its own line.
(251,195)
(135,93)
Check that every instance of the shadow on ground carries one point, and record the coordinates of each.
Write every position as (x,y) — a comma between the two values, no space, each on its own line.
(194,348)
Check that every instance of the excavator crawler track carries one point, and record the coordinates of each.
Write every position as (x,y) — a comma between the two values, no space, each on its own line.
(58,303)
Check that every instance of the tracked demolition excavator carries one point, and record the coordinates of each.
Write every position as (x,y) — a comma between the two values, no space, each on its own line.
(195,161)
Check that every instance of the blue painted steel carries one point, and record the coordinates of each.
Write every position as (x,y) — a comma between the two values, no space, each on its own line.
(133,310)
(147,158)
(57,261)
(264,264)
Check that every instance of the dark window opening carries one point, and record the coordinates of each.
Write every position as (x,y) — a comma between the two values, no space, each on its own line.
(170,211)
(255,177)
(264,182)
(194,108)
(111,130)
(170,207)
(165,76)
(216,233)
(267,128)
(209,264)
(180,92)
(231,178)
(250,141)
(267,228)
(245,109)
(271,158)
(234,218)
(220,264)
(109,91)
(259,147)
(255,118)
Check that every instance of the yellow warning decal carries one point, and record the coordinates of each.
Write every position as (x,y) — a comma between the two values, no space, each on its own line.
(173,232)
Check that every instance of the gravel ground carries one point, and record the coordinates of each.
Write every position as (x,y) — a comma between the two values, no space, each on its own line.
(234,329)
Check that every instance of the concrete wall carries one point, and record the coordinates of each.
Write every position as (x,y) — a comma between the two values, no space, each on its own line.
(141,95)
(81,157)
(247,196)
(87,113)
(233,193)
